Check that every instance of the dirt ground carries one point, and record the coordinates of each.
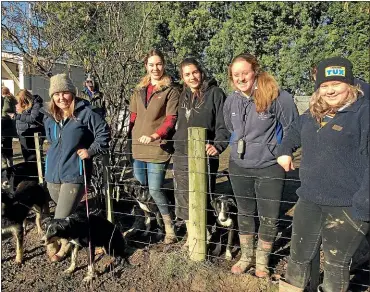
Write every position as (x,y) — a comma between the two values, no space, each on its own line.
(153,266)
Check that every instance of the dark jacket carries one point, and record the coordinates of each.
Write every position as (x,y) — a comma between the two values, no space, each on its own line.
(96,100)
(260,131)
(30,121)
(87,130)
(365,87)
(334,169)
(8,104)
(205,112)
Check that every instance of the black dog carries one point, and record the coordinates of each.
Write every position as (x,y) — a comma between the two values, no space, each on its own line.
(15,208)
(75,228)
(225,211)
(11,177)
(142,196)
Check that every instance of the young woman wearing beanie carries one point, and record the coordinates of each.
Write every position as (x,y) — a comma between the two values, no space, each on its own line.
(333,204)
(28,122)
(153,109)
(255,112)
(8,103)
(201,104)
(75,133)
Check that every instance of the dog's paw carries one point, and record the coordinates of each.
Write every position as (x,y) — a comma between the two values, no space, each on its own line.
(228,255)
(18,262)
(88,278)
(69,271)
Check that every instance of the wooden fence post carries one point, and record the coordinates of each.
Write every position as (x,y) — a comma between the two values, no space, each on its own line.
(38,158)
(197,194)
(108,188)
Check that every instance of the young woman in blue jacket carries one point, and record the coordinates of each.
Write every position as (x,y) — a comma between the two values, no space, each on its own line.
(76,133)
(333,204)
(255,113)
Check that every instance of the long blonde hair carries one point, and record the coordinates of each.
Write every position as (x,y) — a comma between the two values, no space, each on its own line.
(319,108)
(165,79)
(267,87)
(25,100)
(58,114)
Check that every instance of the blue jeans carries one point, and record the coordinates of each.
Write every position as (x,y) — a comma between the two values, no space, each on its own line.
(152,175)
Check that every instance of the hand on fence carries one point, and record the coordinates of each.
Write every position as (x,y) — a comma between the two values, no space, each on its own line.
(286,162)
(83,153)
(211,150)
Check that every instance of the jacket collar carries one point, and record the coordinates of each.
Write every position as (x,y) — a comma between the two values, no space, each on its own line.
(354,107)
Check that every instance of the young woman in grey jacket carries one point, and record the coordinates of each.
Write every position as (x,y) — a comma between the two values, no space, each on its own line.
(257,113)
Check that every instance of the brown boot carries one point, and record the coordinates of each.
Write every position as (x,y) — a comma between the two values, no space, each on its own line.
(185,247)
(285,287)
(247,258)
(262,258)
(169,229)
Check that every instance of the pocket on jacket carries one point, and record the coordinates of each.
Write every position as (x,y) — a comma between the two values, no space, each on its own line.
(258,153)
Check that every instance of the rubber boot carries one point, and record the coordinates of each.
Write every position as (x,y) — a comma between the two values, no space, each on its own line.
(263,252)
(247,258)
(285,287)
(185,247)
(169,229)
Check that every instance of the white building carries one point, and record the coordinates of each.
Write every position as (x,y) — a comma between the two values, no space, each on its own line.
(15,76)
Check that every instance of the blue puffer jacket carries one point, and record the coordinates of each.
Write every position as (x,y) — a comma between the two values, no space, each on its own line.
(87,130)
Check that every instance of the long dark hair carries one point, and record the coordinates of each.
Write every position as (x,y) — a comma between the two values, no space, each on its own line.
(192,61)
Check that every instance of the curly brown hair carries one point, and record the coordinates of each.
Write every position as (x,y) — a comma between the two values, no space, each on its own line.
(319,108)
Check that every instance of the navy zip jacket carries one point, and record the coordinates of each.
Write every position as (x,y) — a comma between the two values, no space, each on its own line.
(334,168)
(87,130)
(260,131)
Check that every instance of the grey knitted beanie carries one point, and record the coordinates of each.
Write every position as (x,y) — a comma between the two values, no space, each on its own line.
(61,82)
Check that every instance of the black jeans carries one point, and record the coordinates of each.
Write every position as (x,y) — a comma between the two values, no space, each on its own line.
(261,188)
(181,184)
(341,235)
(7,147)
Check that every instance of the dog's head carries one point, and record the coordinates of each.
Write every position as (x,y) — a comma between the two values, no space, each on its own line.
(55,229)
(142,194)
(7,179)
(137,191)
(222,206)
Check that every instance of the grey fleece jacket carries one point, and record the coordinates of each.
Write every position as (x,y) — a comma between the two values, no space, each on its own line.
(260,131)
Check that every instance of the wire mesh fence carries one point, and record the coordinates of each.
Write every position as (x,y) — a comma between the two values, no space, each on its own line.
(108,189)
